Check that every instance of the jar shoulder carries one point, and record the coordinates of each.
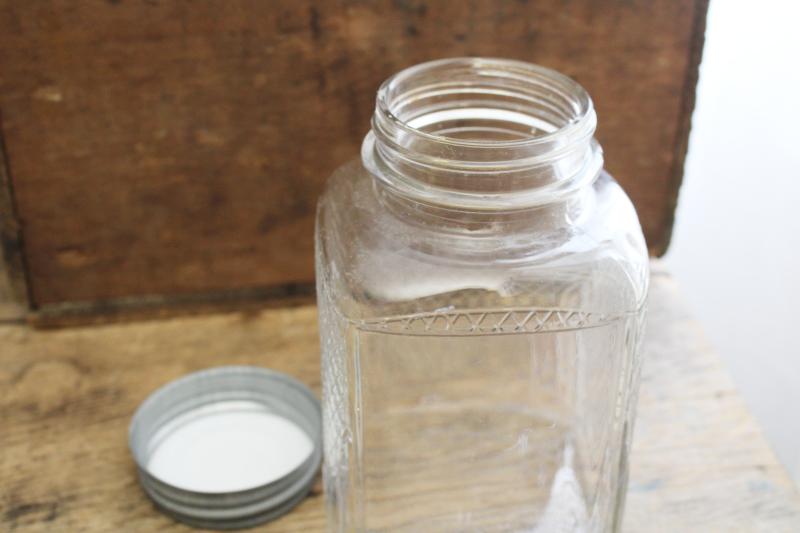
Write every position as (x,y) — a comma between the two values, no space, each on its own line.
(374,260)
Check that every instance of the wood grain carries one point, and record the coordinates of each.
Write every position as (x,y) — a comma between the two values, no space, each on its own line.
(699,463)
(174,148)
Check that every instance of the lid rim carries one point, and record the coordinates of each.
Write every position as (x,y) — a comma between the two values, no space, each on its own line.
(280,394)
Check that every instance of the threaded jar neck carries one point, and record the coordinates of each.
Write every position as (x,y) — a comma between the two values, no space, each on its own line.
(478,133)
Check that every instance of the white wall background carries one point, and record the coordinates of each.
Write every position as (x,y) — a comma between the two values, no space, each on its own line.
(736,245)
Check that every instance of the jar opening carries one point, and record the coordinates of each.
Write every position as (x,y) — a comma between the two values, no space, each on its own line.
(474,101)
(482,133)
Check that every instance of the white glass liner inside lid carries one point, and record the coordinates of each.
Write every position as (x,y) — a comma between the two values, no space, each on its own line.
(227,447)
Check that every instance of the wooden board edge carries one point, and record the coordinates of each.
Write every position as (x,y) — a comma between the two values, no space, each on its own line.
(681,146)
(12,255)
(245,301)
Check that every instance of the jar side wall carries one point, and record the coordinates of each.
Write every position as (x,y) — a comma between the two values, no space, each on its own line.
(336,421)
(364,249)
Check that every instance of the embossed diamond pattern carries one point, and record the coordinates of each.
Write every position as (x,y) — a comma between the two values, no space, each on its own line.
(482,322)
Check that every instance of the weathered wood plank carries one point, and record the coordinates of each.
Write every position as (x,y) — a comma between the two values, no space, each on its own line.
(10,309)
(172,148)
(13,280)
(700,463)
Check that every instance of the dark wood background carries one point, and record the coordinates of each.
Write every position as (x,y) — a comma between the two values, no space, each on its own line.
(174,149)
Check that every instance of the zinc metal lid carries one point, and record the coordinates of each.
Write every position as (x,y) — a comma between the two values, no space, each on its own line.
(228,447)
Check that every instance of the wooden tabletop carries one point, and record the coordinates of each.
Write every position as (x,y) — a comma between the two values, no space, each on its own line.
(699,464)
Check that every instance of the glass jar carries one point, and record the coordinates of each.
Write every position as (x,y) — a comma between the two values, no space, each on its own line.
(481,285)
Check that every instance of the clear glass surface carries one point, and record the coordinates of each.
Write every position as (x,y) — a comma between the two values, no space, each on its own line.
(481,287)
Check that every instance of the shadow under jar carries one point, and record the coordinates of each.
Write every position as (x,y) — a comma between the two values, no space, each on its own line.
(481,286)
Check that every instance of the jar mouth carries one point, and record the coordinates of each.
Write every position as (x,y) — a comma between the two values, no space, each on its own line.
(482,133)
(549,103)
